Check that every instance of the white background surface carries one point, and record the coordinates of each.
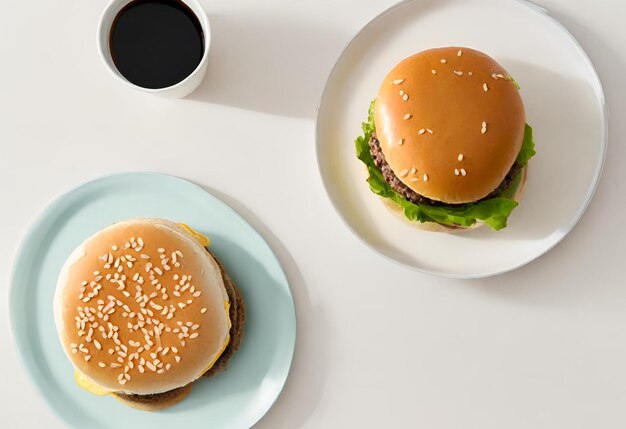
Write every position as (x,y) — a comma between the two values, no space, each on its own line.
(378,345)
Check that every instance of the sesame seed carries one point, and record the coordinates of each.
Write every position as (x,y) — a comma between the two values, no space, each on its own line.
(203,311)
(414,179)
(401,93)
(425,177)
(413,170)
(161,250)
(102,364)
(87,357)
(456,172)
(405,97)
(463,172)
(197,293)
(433,71)
(194,335)
(458,54)
(177,358)
(485,87)
(140,368)
(460,157)
(403,173)
(470,73)
(407,116)
(458,73)
(400,142)
(421,131)
(484,127)
(398,81)
(429,131)
(150,366)
(442,61)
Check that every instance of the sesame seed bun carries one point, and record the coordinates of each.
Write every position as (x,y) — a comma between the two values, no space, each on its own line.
(438,227)
(237,315)
(152,329)
(450,109)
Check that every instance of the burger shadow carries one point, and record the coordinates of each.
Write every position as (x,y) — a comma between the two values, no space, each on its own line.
(265,64)
(552,192)
(305,383)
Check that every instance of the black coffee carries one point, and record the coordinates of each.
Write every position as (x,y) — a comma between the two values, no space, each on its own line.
(156,43)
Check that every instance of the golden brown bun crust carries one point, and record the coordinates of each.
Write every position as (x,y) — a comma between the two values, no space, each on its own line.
(437,227)
(453,107)
(154,402)
(158,336)
(166,399)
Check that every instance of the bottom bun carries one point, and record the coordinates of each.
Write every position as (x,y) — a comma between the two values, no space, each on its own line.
(237,314)
(438,227)
(154,402)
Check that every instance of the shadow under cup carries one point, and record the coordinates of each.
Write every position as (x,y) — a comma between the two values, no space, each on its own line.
(154,13)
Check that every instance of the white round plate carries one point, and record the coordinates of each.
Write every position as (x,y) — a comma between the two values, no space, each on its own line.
(564,105)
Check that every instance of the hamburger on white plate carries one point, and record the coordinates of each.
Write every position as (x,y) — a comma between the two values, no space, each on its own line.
(446,143)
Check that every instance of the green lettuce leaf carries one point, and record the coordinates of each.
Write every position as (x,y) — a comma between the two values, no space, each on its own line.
(515,82)
(528,146)
(494,212)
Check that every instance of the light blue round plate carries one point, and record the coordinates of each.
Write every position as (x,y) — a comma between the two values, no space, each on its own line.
(237,398)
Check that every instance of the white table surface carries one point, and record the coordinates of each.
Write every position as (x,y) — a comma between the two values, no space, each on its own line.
(378,345)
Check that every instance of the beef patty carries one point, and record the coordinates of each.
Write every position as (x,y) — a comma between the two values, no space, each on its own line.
(414,197)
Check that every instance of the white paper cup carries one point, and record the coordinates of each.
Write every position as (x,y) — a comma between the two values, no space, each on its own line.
(179,90)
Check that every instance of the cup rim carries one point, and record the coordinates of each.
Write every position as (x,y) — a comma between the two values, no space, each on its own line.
(110,65)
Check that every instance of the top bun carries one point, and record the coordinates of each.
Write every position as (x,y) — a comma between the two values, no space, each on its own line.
(141,307)
(450,122)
